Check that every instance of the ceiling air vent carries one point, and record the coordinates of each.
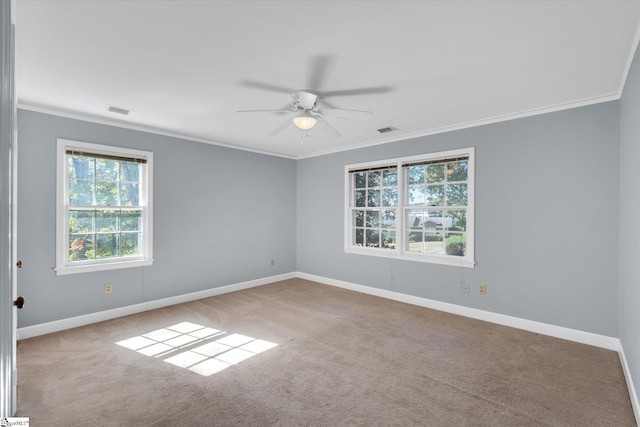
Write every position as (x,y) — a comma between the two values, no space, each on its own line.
(118,110)
(387,129)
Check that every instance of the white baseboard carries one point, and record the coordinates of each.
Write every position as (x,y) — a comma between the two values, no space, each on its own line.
(603,341)
(633,396)
(73,322)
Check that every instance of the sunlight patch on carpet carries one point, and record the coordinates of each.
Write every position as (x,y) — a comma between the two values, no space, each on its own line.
(198,348)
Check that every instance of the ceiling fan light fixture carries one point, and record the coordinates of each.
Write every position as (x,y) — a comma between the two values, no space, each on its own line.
(304,121)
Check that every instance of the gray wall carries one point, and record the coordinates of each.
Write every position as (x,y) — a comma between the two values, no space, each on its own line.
(630,220)
(546,220)
(220,215)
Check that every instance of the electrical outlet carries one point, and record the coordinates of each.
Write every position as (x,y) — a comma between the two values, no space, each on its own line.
(273,262)
(108,288)
(483,289)
(465,288)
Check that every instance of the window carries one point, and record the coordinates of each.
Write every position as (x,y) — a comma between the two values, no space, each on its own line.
(417,208)
(374,207)
(104,209)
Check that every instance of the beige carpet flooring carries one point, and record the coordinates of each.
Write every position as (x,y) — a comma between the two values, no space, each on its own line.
(298,353)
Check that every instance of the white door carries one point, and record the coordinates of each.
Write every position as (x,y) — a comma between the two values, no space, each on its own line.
(8,156)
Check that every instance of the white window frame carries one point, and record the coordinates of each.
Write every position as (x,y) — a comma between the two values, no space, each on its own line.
(63,265)
(468,260)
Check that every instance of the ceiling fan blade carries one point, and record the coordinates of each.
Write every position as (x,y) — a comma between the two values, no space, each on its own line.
(346,114)
(326,127)
(265,111)
(319,66)
(328,104)
(361,91)
(282,127)
(265,86)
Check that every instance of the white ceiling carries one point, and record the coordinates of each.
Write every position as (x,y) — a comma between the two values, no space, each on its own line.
(186,67)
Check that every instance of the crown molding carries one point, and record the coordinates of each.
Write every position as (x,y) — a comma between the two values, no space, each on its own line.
(475,123)
(404,137)
(140,128)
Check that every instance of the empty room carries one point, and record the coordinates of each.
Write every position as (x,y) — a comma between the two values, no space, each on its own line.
(325,213)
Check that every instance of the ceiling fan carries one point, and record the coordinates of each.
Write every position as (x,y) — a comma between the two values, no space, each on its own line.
(304,110)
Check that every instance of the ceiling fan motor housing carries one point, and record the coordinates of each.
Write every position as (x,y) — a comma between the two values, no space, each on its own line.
(304,99)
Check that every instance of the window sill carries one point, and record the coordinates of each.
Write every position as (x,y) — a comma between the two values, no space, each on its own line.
(394,254)
(89,268)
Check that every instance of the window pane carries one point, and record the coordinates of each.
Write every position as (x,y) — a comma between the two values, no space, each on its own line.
(390,197)
(435,219)
(78,246)
(107,245)
(415,174)
(106,193)
(435,195)
(457,171)
(388,218)
(81,221)
(373,179)
(359,237)
(431,227)
(129,172)
(106,221)
(414,218)
(456,244)
(360,179)
(360,198)
(434,243)
(372,238)
(80,167)
(388,239)
(456,194)
(359,218)
(129,194)
(80,192)
(417,195)
(390,177)
(373,219)
(373,198)
(130,244)
(107,170)
(414,241)
(456,220)
(130,220)
(82,246)
(435,173)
